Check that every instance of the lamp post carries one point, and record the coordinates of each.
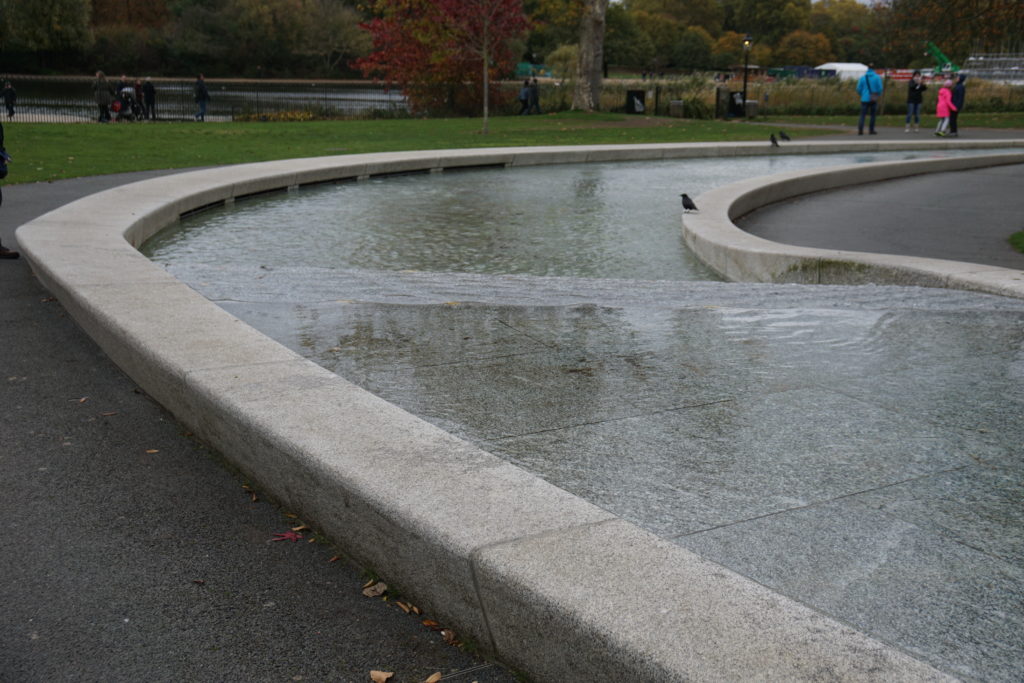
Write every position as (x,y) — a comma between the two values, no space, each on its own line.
(746,61)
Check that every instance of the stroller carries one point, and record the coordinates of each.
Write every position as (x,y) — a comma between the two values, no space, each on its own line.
(126,107)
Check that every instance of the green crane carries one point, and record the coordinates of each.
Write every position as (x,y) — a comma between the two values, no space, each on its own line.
(943,64)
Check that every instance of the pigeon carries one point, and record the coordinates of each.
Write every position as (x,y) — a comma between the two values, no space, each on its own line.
(775,143)
(784,136)
(688,204)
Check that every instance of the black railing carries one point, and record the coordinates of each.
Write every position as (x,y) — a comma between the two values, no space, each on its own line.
(70,99)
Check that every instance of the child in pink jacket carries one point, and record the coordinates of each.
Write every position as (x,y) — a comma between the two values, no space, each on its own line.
(943,108)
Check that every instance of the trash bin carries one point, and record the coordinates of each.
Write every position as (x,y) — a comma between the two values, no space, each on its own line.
(635,101)
(751,108)
(675,108)
(736,103)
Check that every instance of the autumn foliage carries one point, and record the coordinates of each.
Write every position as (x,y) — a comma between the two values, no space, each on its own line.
(441,53)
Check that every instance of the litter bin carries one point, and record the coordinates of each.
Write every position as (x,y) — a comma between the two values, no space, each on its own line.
(635,101)
(751,108)
(675,108)
(736,103)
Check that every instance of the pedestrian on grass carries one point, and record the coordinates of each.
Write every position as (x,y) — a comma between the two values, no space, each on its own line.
(10,96)
(149,99)
(103,93)
(869,87)
(959,92)
(202,96)
(524,98)
(534,96)
(944,107)
(5,253)
(914,95)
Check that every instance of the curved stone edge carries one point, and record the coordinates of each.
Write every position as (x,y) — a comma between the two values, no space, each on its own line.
(539,578)
(740,256)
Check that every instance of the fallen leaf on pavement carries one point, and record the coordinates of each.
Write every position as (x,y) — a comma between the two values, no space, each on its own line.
(152,450)
(381,676)
(335,558)
(287,536)
(449,636)
(434,678)
(404,607)
(109,414)
(430,623)
(376,590)
(301,527)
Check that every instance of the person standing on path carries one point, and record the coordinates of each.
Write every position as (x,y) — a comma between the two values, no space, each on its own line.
(869,87)
(10,96)
(5,253)
(202,96)
(944,107)
(959,92)
(103,93)
(149,100)
(914,95)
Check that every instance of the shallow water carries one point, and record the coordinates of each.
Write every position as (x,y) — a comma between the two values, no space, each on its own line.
(618,220)
(856,448)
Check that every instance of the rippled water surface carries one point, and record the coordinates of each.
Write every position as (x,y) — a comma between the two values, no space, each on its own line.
(856,448)
(581,220)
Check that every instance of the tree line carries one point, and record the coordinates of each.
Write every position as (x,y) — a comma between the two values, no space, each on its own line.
(326,38)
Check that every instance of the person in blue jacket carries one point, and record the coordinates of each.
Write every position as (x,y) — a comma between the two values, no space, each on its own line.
(869,87)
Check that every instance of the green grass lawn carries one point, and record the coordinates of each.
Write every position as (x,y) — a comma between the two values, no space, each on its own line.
(969,118)
(54,151)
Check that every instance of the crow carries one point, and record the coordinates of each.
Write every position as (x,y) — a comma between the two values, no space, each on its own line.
(775,143)
(688,204)
(784,136)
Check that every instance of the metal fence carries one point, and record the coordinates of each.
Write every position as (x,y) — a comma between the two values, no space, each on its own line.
(69,99)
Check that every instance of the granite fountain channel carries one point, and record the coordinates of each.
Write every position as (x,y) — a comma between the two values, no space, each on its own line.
(760,426)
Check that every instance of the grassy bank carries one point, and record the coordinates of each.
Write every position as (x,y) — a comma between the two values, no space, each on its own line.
(51,151)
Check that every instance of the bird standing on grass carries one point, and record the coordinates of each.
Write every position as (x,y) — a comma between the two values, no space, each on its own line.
(688,204)
(775,143)
(784,136)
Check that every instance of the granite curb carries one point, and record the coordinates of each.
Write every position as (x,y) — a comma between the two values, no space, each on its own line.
(541,579)
(740,256)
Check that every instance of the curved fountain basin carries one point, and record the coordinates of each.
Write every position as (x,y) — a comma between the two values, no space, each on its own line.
(535,575)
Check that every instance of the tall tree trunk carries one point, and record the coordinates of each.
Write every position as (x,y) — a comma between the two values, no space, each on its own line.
(587,92)
(487,83)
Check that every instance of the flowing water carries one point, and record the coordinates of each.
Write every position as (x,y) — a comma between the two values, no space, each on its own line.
(856,448)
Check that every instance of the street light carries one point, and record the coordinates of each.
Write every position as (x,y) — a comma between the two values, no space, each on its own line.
(747,41)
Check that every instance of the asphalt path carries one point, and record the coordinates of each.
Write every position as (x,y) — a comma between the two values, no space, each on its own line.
(130,552)
(961,216)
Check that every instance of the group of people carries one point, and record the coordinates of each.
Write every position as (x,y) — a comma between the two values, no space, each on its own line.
(129,101)
(947,108)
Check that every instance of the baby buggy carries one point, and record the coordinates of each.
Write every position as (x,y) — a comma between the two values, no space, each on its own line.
(126,107)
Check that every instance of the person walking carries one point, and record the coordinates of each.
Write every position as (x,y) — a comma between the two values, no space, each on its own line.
(534,96)
(5,158)
(524,98)
(10,96)
(202,96)
(103,93)
(959,92)
(869,87)
(944,107)
(149,99)
(914,95)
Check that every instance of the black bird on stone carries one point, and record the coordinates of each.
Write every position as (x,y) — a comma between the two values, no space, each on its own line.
(784,136)
(775,143)
(688,204)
